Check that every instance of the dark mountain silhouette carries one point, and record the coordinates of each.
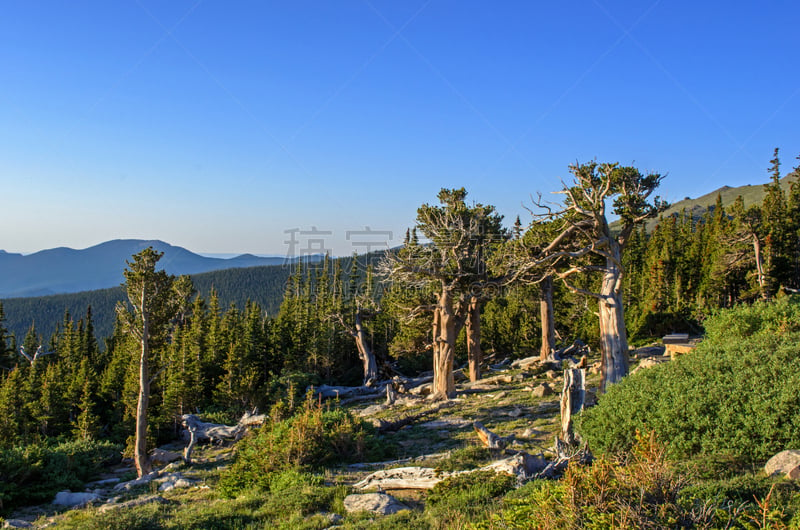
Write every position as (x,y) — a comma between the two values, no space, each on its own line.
(66,270)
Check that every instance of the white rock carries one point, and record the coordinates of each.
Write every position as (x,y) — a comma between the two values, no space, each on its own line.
(786,463)
(183,483)
(377,503)
(74,499)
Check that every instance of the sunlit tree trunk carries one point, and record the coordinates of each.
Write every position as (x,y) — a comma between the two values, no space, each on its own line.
(613,336)
(473,329)
(140,456)
(547,318)
(365,351)
(444,351)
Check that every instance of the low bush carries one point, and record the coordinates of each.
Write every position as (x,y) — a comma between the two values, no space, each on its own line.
(466,490)
(645,491)
(735,396)
(315,437)
(34,473)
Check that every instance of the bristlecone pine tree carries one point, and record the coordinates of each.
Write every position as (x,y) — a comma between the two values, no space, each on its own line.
(454,261)
(583,243)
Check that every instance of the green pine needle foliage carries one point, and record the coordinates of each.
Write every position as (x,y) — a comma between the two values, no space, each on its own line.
(736,395)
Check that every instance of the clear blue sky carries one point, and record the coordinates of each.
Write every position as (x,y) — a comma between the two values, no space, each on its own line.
(219,125)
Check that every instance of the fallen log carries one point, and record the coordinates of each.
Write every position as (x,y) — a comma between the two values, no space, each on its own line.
(520,465)
(201,431)
(489,439)
(403,478)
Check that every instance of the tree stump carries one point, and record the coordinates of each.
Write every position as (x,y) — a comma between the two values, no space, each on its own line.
(573,397)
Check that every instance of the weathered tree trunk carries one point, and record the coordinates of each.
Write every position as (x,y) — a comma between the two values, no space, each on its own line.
(573,397)
(547,318)
(613,336)
(444,385)
(762,283)
(365,352)
(140,456)
(473,325)
(187,452)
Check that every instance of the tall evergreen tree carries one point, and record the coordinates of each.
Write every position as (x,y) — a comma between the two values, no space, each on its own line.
(153,304)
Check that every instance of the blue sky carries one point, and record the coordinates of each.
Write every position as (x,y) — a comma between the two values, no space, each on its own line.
(218,126)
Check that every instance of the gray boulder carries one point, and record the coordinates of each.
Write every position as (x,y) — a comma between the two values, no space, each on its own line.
(377,503)
(74,499)
(786,463)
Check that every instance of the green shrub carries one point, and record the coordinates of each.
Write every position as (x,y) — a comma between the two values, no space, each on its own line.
(735,396)
(35,473)
(313,438)
(640,493)
(466,499)
(761,318)
(471,456)
(469,489)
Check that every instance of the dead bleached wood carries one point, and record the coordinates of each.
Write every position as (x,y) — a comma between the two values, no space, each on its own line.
(564,455)
(520,465)
(573,397)
(201,431)
(403,478)
(391,395)
(489,439)
(39,353)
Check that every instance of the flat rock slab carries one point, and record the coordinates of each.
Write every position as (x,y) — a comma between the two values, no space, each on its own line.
(377,503)
(786,463)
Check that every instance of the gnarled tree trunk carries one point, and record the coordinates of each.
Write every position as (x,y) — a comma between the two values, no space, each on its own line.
(547,318)
(613,336)
(444,347)
(473,328)
(365,352)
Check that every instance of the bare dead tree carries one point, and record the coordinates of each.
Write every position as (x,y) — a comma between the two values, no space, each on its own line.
(363,345)
(39,353)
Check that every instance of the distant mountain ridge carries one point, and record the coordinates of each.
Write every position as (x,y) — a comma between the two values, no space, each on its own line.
(65,270)
(696,208)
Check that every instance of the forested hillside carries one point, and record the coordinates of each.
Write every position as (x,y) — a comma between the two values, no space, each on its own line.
(263,285)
